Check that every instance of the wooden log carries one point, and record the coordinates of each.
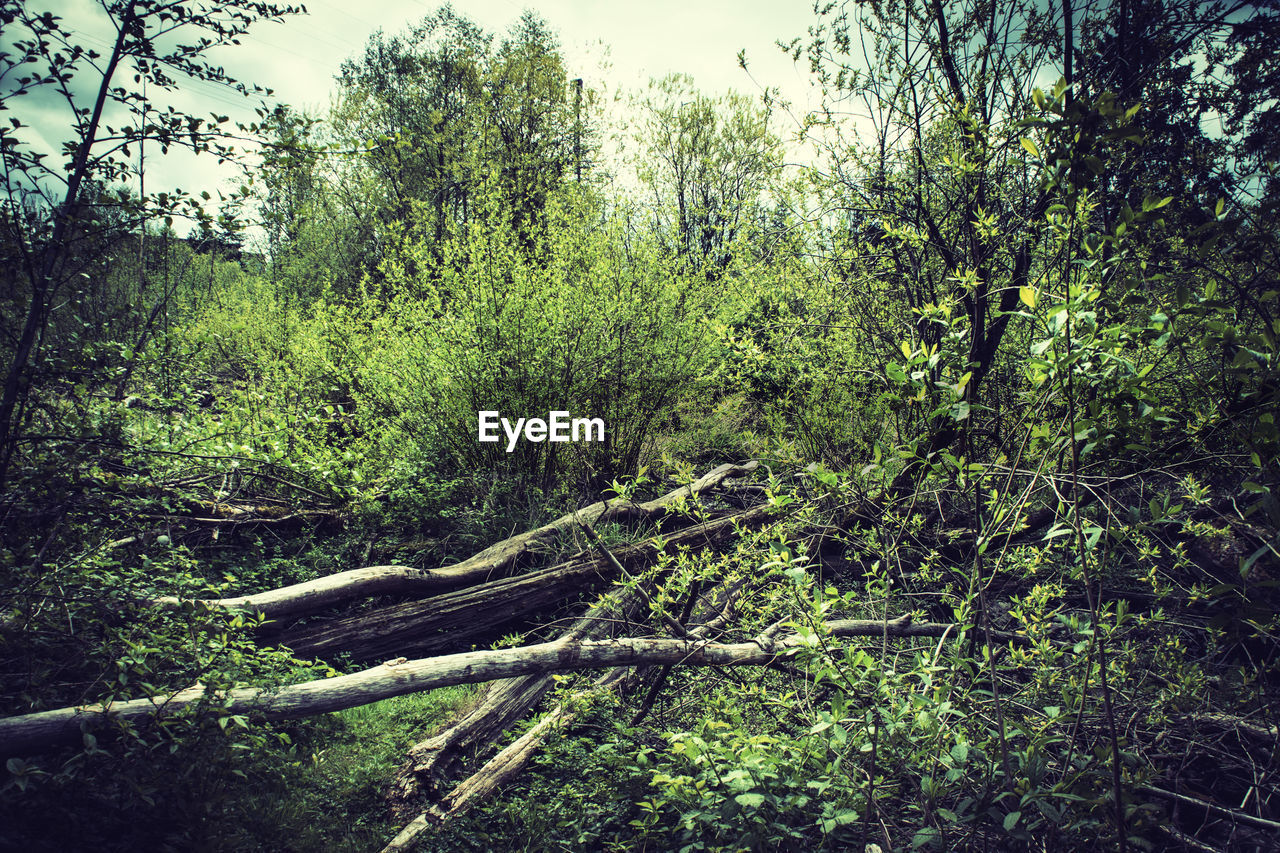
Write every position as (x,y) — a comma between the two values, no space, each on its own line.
(507,763)
(33,732)
(496,772)
(445,621)
(431,762)
(312,596)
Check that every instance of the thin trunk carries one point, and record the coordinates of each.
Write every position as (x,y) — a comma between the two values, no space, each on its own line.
(43,285)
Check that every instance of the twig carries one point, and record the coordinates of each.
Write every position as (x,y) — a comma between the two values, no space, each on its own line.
(1240,817)
(678,629)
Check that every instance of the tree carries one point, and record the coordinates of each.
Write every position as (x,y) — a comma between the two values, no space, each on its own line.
(442,112)
(533,122)
(708,164)
(290,175)
(938,205)
(943,205)
(415,99)
(49,208)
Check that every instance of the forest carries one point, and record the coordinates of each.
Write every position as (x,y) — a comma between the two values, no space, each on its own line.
(933,504)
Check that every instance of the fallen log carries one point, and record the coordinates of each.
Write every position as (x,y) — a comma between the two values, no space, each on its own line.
(444,621)
(496,772)
(309,597)
(32,732)
(511,760)
(432,761)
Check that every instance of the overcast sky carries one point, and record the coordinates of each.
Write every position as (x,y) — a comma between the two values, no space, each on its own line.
(616,47)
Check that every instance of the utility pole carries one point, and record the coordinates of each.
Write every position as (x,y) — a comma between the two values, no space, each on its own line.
(577,126)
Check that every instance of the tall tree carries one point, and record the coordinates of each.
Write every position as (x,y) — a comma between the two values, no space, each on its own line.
(416,99)
(444,112)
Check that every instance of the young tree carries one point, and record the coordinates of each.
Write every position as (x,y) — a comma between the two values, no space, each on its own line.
(942,202)
(53,201)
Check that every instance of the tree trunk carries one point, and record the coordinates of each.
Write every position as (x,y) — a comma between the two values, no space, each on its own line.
(301,599)
(33,732)
(433,625)
(431,762)
(507,763)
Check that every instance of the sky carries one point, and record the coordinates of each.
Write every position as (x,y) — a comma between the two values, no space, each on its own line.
(616,47)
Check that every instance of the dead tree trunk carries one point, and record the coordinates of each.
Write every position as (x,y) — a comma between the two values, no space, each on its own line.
(433,756)
(430,626)
(497,771)
(33,732)
(431,762)
(305,598)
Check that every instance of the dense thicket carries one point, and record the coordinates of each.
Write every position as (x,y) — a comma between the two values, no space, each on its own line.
(1006,350)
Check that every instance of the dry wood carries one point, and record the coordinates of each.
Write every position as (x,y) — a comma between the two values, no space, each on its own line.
(444,621)
(1262,733)
(432,761)
(1212,808)
(507,763)
(300,599)
(32,732)
(496,772)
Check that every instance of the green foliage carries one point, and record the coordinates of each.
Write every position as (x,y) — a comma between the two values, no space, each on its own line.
(709,165)
(585,325)
(316,784)
(1011,356)
(59,212)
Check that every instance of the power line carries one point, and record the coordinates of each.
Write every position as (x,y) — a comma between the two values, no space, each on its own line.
(342,11)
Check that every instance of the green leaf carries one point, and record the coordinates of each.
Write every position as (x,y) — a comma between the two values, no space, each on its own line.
(1028,296)
(1030,146)
(1011,820)
(923,837)
(750,801)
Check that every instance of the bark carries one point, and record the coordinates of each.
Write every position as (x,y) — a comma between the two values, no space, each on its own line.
(300,599)
(496,772)
(442,622)
(33,732)
(510,761)
(305,598)
(432,761)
